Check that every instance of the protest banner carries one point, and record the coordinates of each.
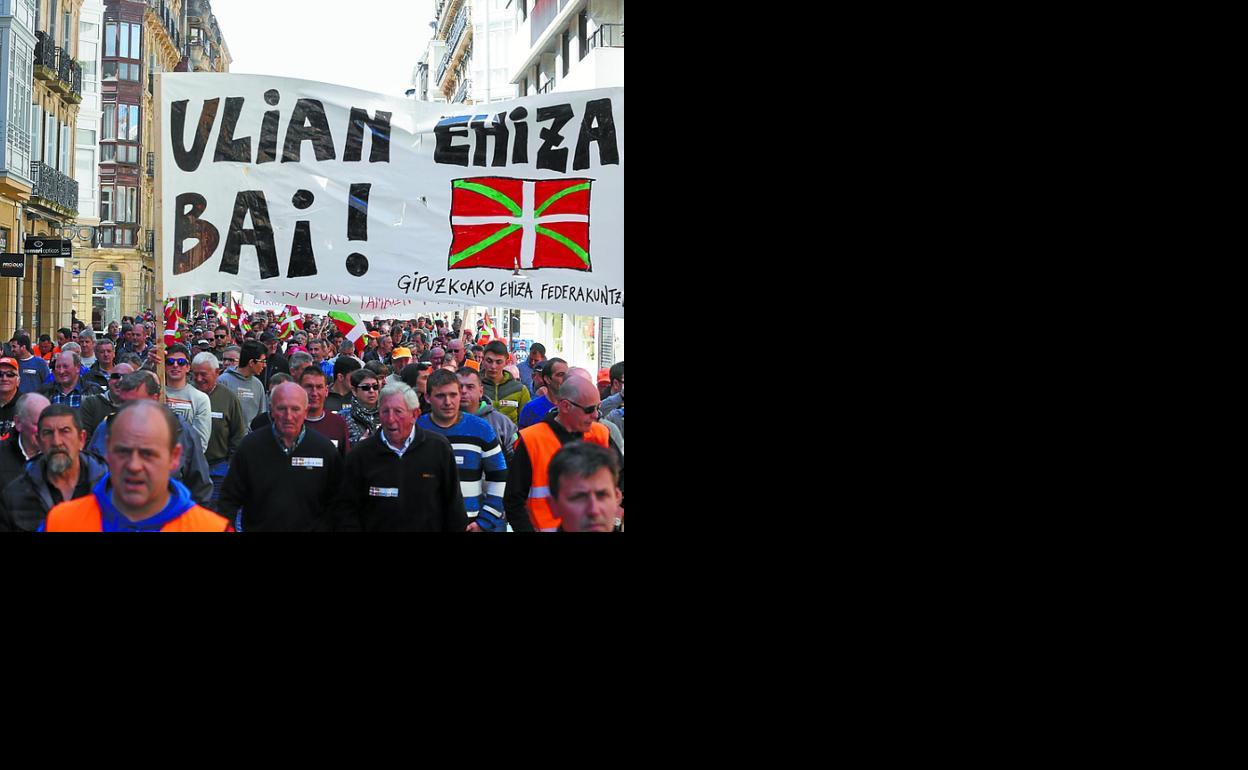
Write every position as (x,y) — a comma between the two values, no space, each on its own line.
(281,187)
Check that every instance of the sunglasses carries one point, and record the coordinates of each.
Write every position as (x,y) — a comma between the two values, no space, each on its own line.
(9,375)
(374,386)
(586,409)
(116,376)
(220,336)
(176,362)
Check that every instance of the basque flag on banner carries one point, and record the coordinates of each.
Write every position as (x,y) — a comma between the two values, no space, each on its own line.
(519,223)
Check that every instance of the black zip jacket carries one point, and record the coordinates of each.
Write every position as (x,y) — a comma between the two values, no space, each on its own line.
(418,493)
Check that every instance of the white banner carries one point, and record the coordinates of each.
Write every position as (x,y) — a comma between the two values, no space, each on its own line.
(303,188)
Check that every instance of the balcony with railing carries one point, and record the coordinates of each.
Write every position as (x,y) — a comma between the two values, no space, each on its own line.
(607,36)
(461,93)
(54,189)
(453,39)
(69,76)
(45,57)
(169,20)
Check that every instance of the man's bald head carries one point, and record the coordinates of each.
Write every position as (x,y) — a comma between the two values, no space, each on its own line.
(581,373)
(30,406)
(144,411)
(287,391)
(578,389)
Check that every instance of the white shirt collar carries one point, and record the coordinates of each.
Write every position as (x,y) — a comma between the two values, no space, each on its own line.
(406,444)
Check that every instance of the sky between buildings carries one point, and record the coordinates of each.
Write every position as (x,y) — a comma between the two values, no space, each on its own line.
(367,44)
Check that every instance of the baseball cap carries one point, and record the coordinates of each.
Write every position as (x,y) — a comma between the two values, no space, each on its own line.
(374,334)
(6,361)
(471,363)
(604,376)
(203,342)
(267,336)
(401,353)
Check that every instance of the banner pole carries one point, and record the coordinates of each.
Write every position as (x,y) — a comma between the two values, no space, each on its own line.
(158,226)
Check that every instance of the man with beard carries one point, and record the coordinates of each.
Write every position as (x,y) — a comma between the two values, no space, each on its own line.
(63,472)
(361,413)
(139,493)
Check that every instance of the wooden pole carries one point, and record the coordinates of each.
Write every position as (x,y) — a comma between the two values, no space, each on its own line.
(158,225)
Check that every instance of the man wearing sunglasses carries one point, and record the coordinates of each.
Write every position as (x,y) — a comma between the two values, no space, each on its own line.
(184,399)
(97,408)
(221,338)
(527,500)
(9,373)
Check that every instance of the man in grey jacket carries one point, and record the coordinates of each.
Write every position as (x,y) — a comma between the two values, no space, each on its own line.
(245,380)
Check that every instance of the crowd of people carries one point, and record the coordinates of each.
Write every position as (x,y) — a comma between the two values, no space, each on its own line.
(430,427)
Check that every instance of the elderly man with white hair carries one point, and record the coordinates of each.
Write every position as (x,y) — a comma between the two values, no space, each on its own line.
(401,479)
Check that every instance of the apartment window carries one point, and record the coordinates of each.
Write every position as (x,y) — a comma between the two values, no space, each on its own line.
(66,27)
(49,135)
(52,19)
(84,169)
(109,122)
(106,203)
(195,35)
(564,48)
(4,240)
(85,137)
(108,153)
(25,12)
(66,132)
(110,39)
(582,33)
(20,67)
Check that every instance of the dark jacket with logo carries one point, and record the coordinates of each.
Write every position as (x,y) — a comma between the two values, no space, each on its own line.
(418,493)
(279,492)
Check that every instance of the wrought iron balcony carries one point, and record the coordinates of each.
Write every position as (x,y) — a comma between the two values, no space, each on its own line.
(45,57)
(546,88)
(54,188)
(608,36)
(452,40)
(69,76)
(462,92)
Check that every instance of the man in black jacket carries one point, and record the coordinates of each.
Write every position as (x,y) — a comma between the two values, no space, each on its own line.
(63,472)
(284,476)
(403,479)
(23,445)
(105,356)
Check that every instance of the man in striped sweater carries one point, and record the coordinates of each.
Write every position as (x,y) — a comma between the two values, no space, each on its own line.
(478,455)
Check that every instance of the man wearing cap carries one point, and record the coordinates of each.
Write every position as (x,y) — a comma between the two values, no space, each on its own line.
(69,388)
(228,428)
(553,371)
(34,370)
(9,369)
(537,354)
(62,472)
(276,361)
(616,399)
(527,502)
(400,358)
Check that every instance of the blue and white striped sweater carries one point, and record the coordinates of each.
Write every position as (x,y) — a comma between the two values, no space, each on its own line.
(482,467)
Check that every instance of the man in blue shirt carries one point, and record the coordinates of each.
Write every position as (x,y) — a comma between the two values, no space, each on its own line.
(553,371)
(478,455)
(34,370)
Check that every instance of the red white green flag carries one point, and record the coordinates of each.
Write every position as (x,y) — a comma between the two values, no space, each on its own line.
(519,223)
(172,318)
(292,321)
(352,326)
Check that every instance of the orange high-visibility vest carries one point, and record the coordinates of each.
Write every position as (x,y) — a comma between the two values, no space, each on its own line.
(83,515)
(542,444)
